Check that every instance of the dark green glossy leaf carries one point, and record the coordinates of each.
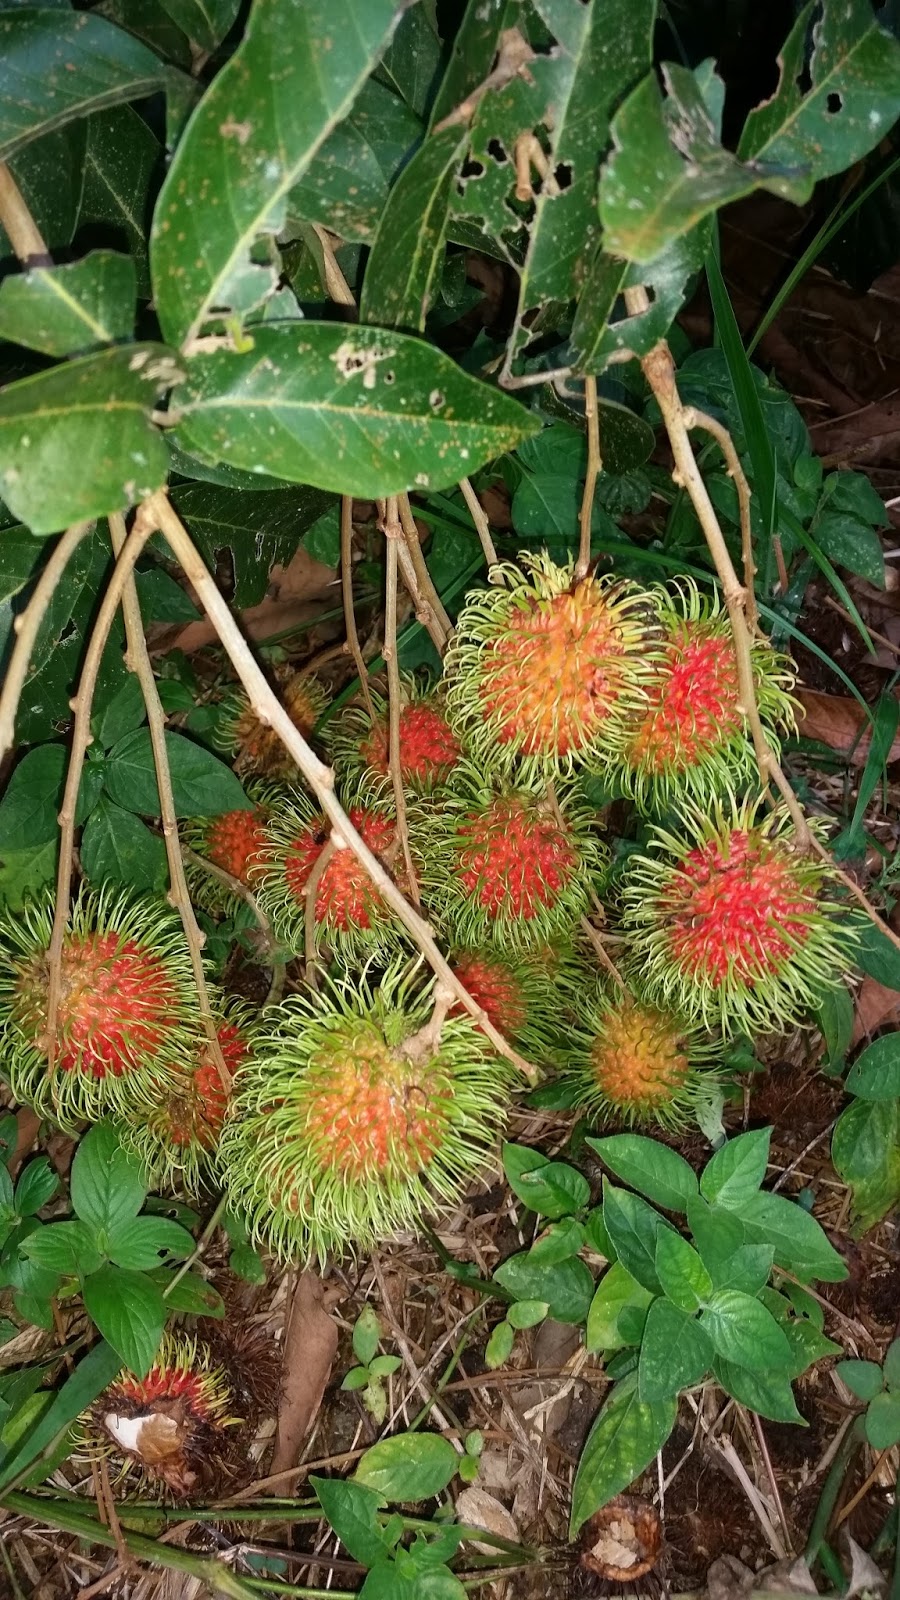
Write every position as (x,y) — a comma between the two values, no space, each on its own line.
(142,1242)
(891,1362)
(50,174)
(351,1510)
(863,1139)
(408,249)
(107,1184)
(682,1275)
(744,1333)
(597,337)
(37,1184)
(875,1075)
(617,1312)
(649,1166)
(851,544)
(566,1286)
(122,159)
(800,1245)
(346,187)
(767,1393)
(411,1466)
(190,1293)
(633,1227)
(558,1242)
(675,1353)
(63,1247)
(129,1312)
(202,785)
(117,847)
(622,1442)
(66,311)
(386,1581)
(808,1344)
(737,1169)
(875,954)
(148,21)
(205,22)
(551,1188)
(834,1018)
(29,808)
(259,530)
(120,711)
(162,599)
(411,62)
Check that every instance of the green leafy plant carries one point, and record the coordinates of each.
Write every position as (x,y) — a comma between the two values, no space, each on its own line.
(865,1145)
(879,1387)
(373,1368)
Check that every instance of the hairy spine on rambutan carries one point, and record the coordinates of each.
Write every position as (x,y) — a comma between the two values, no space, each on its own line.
(633,1063)
(233,841)
(353,1120)
(513,995)
(429,748)
(545,670)
(256,747)
(127,1017)
(503,865)
(691,735)
(730,923)
(171,1426)
(350,914)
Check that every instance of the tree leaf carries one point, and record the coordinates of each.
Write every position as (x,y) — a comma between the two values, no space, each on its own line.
(50,174)
(77,442)
(622,1442)
(107,1184)
(411,1466)
(863,1138)
(37,1184)
(618,1311)
(658,1172)
(66,311)
(863,1378)
(353,410)
(346,187)
(883,1421)
(737,1169)
(129,1312)
(633,1227)
(259,530)
(29,808)
(743,1332)
(566,1286)
(248,143)
(551,1188)
(852,544)
(767,1393)
(141,1243)
(56,66)
(834,1019)
(412,60)
(408,247)
(682,1275)
(875,1075)
(675,1353)
(120,163)
(800,1244)
(351,1510)
(596,339)
(202,785)
(205,22)
(874,953)
(117,847)
(833,105)
(63,1247)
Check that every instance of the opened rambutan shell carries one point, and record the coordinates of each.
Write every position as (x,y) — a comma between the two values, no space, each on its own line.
(429,748)
(127,1018)
(634,1063)
(730,924)
(256,747)
(351,1124)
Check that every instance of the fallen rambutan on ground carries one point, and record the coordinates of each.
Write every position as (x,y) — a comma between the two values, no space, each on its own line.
(691,736)
(127,1018)
(171,1426)
(350,914)
(504,866)
(256,747)
(353,1120)
(636,1064)
(545,671)
(429,749)
(730,923)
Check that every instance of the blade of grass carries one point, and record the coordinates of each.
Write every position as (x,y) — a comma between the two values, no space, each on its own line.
(89,1379)
(824,565)
(884,727)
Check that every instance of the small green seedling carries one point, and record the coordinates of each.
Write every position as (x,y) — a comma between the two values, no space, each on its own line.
(880,1387)
(373,1368)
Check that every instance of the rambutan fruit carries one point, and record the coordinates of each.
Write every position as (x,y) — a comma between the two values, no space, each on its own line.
(730,923)
(502,865)
(127,1014)
(351,915)
(546,671)
(429,749)
(256,747)
(233,841)
(634,1063)
(691,736)
(511,994)
(354,1119)
(171,1426)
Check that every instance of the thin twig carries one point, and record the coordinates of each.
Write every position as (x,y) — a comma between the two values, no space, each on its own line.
(483,529)
(27,626)
(20,226)
(700,419)
(335,284)
(320,778)
(138,661)
(594,464)
(319,869)
(602,954)
(245,893)
(857,893)
(393,534)
(347,597)
(776,1495)
(429,599)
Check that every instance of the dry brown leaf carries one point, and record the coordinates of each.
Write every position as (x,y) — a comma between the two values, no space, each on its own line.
(295,595)
(874,1004)
(310,1346)
(481,1510)
(836,720)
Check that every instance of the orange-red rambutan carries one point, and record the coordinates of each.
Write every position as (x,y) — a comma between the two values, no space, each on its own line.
(429,749)
(257,748)
(634,1063)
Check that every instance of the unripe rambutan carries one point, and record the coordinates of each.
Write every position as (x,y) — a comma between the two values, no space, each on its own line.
(127,1014)
(546,671)
(257,748)
(502,865)
(429,749)
(170,1426)
(691,735)
(351,1122)
(729,922)
(636,1064)
(510,993)
(351,915)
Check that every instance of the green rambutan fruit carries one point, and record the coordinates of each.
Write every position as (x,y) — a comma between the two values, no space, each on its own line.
(429,749)
(635,1064)
(127,1015)
(691,735)
(546,671)
(351,916)
(351,1122)
(256,747)
(169,1428)
(502,865)
(730,924)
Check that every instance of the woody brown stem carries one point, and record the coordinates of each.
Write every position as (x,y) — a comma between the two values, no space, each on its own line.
(483,528)
(429,606)
(699,419)
(393,534)
(594,464)
(347,598)
(27,626)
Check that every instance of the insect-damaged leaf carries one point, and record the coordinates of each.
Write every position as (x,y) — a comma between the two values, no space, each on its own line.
(346,187)
(596,337)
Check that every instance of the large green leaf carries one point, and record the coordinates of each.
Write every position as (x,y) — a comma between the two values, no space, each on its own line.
(623,1441)
(120,164)
(864,1137)
(411,62)
(875,1075)
(68,310)
(55,67)
(258,529)
(596,339)
(658,1172)
(117,847)
(205,22)
(833,104)
(768,1393)
(30,806)
(408,249)
(107,1183)
(675,1353)
(354,410)
(565,1286)
(744,1332)
(351,1510)
(347,185)
(202,785)
(618,1311)
(633,1227)
(684,1278)
(248,143)
(77,442)
(737,1169)
(50,174)
(129,1312)
(412,1466)
(799,1242)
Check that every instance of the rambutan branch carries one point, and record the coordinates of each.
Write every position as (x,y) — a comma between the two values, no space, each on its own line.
(138,661)
(347,598)
(594,465)
(20,227)
(393,533)
(483,529)
(237,887)
(319,869)
(699,419)
(429,606)
(158,511)
(27,625)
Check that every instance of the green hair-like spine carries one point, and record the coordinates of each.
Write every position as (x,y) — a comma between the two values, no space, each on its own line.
(236,706)
(207,890)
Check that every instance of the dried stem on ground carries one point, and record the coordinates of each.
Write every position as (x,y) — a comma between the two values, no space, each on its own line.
(699,419)
(138,661)
(429,606)
(27,626)
(393,534)
(483,528)
(594,465)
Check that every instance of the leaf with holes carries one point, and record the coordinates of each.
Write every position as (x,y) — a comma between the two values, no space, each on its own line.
(66,311)
(346,187)
(596,339)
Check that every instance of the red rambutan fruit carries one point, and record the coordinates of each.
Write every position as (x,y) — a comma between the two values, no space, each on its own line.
(545,671)
(127,1014)
(511,995)
(729,922)
(353,1120)
(235,843)
(691,736)
(350,913)
(635,1063)
(257,748)
(429,749)
(503,865)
